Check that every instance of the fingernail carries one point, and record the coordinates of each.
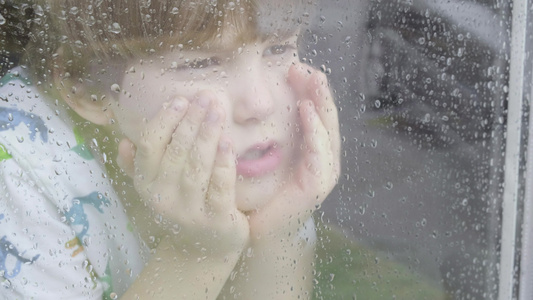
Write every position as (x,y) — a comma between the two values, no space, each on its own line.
(212,116)
(204,101)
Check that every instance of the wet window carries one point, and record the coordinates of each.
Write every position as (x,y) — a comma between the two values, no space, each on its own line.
(266,149)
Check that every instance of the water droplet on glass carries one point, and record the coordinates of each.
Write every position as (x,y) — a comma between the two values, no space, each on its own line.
(38,10)
(6,283)
(115,88)
(10,117)
(389,185)
(460,52)
(174,11)
(114,28)
(74,10)
(2,20)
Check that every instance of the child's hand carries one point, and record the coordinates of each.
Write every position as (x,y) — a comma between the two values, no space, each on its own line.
(319,167)
(185,173)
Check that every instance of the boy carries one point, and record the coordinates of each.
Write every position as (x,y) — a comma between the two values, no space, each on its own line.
(231,142)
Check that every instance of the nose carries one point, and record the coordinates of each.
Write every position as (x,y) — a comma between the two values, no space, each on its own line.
(252,97)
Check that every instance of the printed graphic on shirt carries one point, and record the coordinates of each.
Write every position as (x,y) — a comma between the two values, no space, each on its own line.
(77,217)
(80,148)
(3,153)
(11,259)
(10,118)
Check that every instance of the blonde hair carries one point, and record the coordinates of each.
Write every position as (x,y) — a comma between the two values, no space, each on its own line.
(104,31)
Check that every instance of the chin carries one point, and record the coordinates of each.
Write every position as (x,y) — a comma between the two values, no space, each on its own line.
(247,205)
(254,194)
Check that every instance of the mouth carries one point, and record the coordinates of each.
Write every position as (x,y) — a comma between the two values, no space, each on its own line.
(258,160)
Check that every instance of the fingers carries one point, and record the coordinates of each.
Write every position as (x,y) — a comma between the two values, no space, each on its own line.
(221,193)
(312,84)
(319,159)
(158,133)
(189,158)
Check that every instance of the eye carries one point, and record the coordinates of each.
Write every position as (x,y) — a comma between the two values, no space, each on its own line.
(203,63)
(278,50)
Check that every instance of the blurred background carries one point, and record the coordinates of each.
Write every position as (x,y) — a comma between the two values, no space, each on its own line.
(421,88)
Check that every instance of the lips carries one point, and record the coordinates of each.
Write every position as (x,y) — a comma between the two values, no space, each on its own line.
(258,160)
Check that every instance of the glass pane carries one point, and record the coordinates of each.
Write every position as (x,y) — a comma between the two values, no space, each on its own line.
(99,101)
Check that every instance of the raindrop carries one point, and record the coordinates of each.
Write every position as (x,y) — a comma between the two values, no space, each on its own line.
(113,296)
(6,283)
(389,185)
(377,103)
(38,10)
(460,52)
(10,117)
(174,11)
(114,28)
(2,20)
(115,88)
(74,10)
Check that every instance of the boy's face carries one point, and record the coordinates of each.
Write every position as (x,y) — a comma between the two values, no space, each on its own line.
(250,84)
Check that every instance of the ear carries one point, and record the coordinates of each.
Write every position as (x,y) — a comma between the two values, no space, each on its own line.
(91,107)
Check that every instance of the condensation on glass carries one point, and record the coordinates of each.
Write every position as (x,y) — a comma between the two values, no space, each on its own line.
(430,113)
